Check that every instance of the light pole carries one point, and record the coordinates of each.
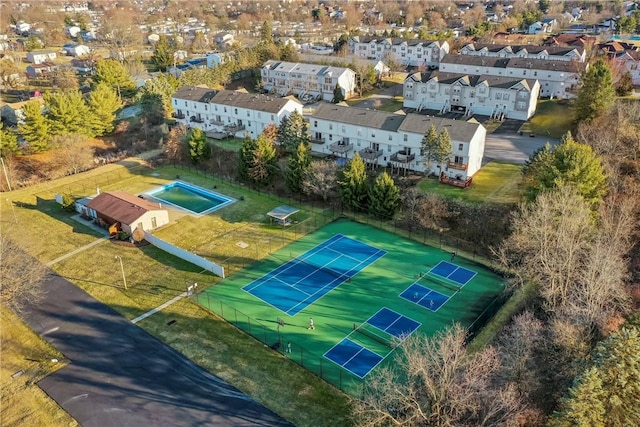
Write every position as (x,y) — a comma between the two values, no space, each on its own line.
(124,279)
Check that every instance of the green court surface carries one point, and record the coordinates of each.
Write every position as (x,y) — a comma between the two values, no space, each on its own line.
(378,286)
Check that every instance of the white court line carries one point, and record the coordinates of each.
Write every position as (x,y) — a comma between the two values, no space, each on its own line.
(158,308)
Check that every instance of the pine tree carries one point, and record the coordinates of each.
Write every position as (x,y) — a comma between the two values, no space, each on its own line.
(163,54)
(67,113)
(429,145)
(567,163)
(338,96)
(297,168)
(292,132)
(353,185)
(35,129)
(245,157)
(103,103)
(9,146)
(584,406)
(384,197)
(443,150)
(198,147)
(264,164)
(112,73)
(597,93)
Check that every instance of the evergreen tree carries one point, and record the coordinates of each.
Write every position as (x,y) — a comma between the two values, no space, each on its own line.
(67,113)
(266,33)
(436,147)
(384,197)
(297,168)
(35,129)
(164,85)
(245,157)
(429,145)
(353,185)
(292,132)
(584,406)
(163,54)
(112,73)
(103,103)
(264,163)
(338,96)
(567,163)
(442,152)
(198,147)
(9,146)
(597,94)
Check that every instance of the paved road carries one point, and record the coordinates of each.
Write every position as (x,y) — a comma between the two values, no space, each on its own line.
(513,148)
(120,375)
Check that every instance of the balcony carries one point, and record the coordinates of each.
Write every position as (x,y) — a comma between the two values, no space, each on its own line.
(457,166)
(462,183)
(195,119)
(234,128)
(402,157)
(178,115)
(318,141)
(370,154)
(340,147)
(216,122)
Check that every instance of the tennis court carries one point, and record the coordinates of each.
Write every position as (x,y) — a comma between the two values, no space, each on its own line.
(295,285)
(389,328)
(358,284)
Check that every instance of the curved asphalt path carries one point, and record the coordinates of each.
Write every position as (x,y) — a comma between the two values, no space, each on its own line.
(119,375)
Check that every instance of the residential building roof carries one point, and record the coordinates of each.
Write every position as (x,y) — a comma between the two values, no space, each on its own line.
(570,40)
(195,93)
(251,101)
(123,207)
(458,130)
(533,49)
(531,63)
(396,40)
(359,117)
(308,69)
(504,82)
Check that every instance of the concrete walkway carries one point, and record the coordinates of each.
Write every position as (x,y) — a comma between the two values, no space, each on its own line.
(77,251)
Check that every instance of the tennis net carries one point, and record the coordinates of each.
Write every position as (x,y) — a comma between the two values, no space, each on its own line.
(427,278)
(364,330)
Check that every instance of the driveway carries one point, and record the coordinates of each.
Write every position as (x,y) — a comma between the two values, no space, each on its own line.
(513,148)
(119,375)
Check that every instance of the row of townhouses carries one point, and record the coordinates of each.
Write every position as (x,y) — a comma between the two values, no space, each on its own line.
(495,96)
(407,52)
(222,113)
(315,81)
(381,138)
(557,78)
(554,53)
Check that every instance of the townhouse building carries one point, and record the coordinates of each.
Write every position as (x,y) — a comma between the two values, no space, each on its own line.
(395,140)
(495,96)
(554,53)
(302,80)
(223,113)
(558,79)
(407,52)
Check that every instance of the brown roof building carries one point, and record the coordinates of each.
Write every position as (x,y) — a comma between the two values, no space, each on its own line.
(129,211)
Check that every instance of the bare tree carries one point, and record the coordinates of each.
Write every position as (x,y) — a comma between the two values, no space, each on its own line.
(435,382)
(321,179)
(175,148)
(433,212)
(72,152)
(21,276)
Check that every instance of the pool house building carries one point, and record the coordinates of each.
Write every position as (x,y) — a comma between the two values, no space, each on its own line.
(224,113)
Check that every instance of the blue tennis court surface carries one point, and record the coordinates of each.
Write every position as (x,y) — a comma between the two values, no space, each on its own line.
(453,272)
(358,359)
(424,297)
(295,285)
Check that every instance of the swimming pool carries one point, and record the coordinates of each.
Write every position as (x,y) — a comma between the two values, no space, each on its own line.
(194,199)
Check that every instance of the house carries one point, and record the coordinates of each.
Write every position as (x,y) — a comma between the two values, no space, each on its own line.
(545,26)
(388,139)
(229,113)
(125,210)
(317,81)
(84,65)
(40,56)
(12,114)
(557,78)
(217,58)
(224,39)
(36,71)
(569,39)
(74,49)
(407,52)
(554,53)
(624,55)
(494,96)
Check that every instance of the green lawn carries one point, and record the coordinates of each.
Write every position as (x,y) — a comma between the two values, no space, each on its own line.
(32,218)
(552,118)
(391,105)
(495,183)
(230,144)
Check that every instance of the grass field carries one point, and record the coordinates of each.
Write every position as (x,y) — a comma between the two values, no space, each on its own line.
(377,286)
(231,144)
(495,183)
(23,402)
(553,118)
(31,217)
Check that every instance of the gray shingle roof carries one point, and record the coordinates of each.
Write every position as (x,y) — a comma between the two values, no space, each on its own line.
(531,63)
(504,82)
(533,49)
(250,101)
(458,129)
(195,93)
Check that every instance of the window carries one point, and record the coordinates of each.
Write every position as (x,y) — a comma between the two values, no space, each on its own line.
(225,109)
(498,95)
(505,96)
(248,113)
(343,131)
(390,137)
(175,102)
(235,111)
(206,107)
(185,103)
(315,123)
(405,138)
(460,147)
(154,223)
(330,126)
